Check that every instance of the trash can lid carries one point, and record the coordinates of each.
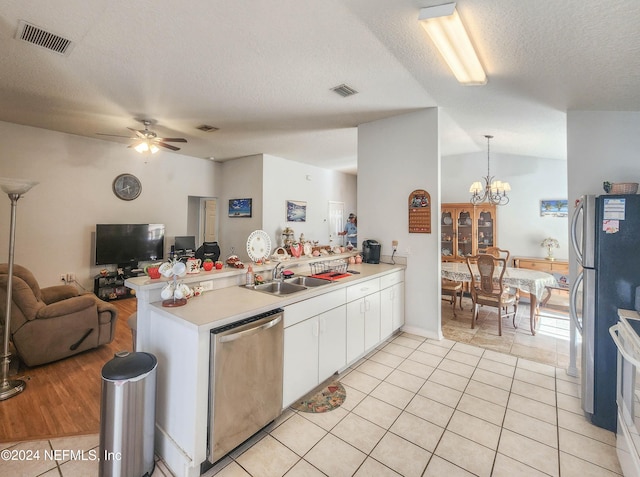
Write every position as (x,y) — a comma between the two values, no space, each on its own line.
(125,365)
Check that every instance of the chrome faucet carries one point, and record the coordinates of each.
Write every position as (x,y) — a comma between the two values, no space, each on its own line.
(276,273)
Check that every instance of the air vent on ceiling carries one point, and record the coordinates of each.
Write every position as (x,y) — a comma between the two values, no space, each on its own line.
(39,37)
(344,90)
(207,128)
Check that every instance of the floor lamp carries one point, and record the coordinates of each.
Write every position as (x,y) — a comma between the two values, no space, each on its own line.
(14,188)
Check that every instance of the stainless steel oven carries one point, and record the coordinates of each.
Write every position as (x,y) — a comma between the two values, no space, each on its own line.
(245,380)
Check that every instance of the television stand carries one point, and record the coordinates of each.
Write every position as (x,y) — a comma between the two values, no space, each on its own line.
(110,286)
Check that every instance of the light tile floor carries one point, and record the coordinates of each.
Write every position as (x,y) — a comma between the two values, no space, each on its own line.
(414,407)
(550,345)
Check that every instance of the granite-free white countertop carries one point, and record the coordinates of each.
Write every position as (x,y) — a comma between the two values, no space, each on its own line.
(226,305)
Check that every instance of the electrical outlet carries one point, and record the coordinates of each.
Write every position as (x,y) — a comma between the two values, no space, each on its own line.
(63,277)
(206,286)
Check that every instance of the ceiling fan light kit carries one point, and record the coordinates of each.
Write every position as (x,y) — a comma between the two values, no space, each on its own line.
(445,28)
(147,141)
(146,146)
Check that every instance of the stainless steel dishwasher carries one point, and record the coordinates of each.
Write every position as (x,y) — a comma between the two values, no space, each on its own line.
(245,380)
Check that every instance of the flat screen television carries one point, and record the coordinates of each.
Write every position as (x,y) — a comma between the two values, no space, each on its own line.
(128,244)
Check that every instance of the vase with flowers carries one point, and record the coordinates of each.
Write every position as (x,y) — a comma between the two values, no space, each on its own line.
(550,243)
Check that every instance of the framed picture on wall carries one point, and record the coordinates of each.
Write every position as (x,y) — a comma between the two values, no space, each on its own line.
(240,207)
(296,211)
(554,208)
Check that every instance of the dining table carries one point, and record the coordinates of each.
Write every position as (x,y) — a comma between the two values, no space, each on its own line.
(534,282)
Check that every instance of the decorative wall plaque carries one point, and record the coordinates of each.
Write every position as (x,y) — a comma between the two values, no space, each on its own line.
(420,212)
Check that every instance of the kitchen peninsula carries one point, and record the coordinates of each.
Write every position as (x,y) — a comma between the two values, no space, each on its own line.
(364,309)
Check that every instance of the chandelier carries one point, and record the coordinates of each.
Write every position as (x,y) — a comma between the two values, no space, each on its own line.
(493,192)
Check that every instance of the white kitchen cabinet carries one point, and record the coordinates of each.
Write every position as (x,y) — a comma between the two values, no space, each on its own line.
(371,320)
(300,373)
(355,330)
(391,304)
(332,349)
(314,349)
(314,343)
(363,318)
(392,310)
(398,306)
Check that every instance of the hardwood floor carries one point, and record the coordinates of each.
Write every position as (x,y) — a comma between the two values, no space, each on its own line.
(63,398)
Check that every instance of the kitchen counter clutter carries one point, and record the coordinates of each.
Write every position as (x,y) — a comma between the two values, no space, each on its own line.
(326,328)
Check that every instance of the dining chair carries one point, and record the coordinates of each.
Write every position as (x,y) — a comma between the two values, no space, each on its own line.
(501,253)
(498,252)
(489,289)
(451,290)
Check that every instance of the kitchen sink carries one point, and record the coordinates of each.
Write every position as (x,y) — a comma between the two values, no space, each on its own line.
(279,288)
(308,281)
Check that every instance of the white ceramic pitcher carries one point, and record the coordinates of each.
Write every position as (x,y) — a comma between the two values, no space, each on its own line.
(193,265)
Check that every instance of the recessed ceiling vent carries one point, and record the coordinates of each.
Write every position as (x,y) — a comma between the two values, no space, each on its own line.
(39,37)
(207,128)
(344,90)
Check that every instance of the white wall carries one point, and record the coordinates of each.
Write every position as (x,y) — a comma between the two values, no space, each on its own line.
(288,180)
(520,226)
(601,146)
(395,157)
(56,219)
(242,180)
(270,181)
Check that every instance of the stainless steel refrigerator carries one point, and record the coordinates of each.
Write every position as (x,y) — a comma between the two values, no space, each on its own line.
(605,233)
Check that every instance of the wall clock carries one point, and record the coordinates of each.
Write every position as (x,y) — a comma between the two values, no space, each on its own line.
(127,186)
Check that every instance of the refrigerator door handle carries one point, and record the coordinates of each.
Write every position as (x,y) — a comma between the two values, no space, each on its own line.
(574,230)
(573,302)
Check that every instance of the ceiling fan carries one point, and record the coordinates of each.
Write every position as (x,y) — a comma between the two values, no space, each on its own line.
(146,140)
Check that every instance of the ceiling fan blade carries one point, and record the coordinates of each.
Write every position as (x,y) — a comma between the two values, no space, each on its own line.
(171,139)
(168,146)
(140,134)
(114,135)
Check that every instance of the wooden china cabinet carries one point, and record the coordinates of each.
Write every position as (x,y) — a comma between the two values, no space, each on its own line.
(466,230)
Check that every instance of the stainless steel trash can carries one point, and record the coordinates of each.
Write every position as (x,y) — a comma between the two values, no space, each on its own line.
(127,415)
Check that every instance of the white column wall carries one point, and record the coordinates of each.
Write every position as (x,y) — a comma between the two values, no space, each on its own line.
(601,146)
(395,157)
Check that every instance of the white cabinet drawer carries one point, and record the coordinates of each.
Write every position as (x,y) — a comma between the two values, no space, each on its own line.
(302,310)
(391,279)
(356,292)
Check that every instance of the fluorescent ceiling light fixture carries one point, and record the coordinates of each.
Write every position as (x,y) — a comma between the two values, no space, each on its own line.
(444,26)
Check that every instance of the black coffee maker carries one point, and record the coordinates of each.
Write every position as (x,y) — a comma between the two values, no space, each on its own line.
(371,251)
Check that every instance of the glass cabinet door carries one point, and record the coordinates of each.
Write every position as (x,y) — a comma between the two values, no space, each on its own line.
(485,229)
(464,239)
(447,233)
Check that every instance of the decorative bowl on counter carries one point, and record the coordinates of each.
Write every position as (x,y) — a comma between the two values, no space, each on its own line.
(279,255)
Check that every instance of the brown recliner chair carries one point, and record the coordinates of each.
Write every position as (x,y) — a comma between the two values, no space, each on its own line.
(56,322)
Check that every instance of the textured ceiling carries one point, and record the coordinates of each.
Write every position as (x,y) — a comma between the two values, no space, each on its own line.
(262,72)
